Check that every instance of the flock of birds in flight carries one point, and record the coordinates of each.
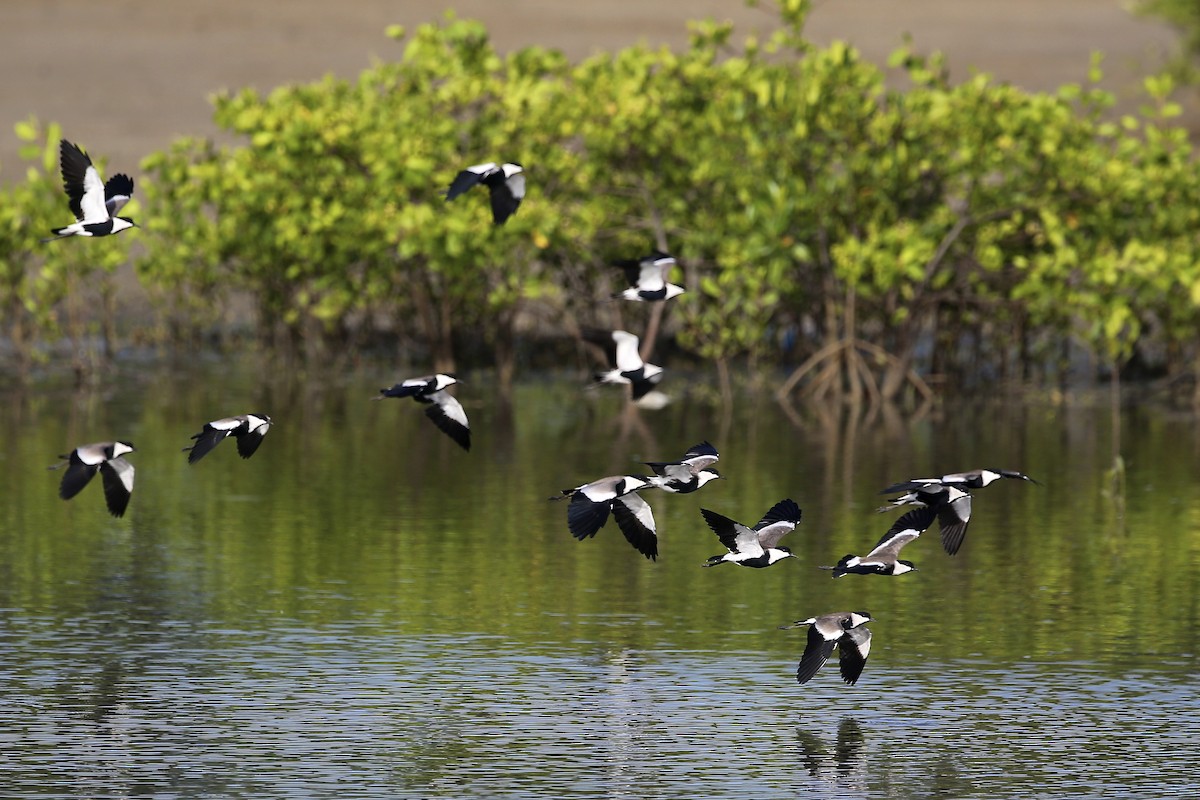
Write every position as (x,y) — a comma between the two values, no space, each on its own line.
(946,499)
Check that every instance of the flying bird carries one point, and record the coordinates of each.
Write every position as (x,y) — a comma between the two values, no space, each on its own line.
(505,182)
(94,204)
(621,347)
(446,412)
(647,278)
(83,462)
(248,429)
(841,629)
(688,473)
(758,546)
(952,507)
(592,502)
(885,559)
(950,496)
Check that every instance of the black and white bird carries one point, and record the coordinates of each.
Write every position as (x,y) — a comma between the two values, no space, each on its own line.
(446,412)
(107,458)
(757,546)
(505,182)
(647,278)
(950,496)
(688,473)
(248,429)
(884,558)
(951,504)
(621,347)
(94,204)
(592,502)
(842,629)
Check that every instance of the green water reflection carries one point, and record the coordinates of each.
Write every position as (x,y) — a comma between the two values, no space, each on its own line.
(354,507)
(361,515)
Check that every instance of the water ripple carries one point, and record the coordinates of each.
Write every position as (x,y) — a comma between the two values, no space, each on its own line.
(295,711)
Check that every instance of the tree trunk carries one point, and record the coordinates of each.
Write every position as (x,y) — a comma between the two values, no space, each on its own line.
(505,351)
(725,382)
(443,357)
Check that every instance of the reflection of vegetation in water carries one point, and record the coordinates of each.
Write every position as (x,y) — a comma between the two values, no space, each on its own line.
(358,512)
(1114,487)
(357,576)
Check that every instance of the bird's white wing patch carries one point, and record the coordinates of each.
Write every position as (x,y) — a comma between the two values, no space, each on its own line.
(891,545)
(698,463)
(123,470)
(628,359)
(91,454)
(829,627)
(452,408)
(516,185)
(600,491)
(676,472)
(747,541)
(652,277)
(861,637)
(92,203)
(771,534)
(640,508)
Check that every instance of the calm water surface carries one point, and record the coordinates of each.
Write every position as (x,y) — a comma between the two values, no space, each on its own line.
(363,610)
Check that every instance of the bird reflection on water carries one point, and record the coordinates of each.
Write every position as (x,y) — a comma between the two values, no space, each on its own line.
(847,762)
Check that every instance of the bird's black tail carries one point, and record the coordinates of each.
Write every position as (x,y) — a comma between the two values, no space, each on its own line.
(840,569)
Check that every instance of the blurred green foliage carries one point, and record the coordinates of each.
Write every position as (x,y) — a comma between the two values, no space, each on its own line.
(810,202)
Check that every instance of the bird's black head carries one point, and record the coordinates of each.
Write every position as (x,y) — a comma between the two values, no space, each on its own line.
(1012,473)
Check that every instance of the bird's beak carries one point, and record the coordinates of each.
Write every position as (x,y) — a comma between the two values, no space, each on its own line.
(795,624)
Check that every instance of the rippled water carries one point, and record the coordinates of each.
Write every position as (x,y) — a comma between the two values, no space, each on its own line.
(295,711)
(364,611)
